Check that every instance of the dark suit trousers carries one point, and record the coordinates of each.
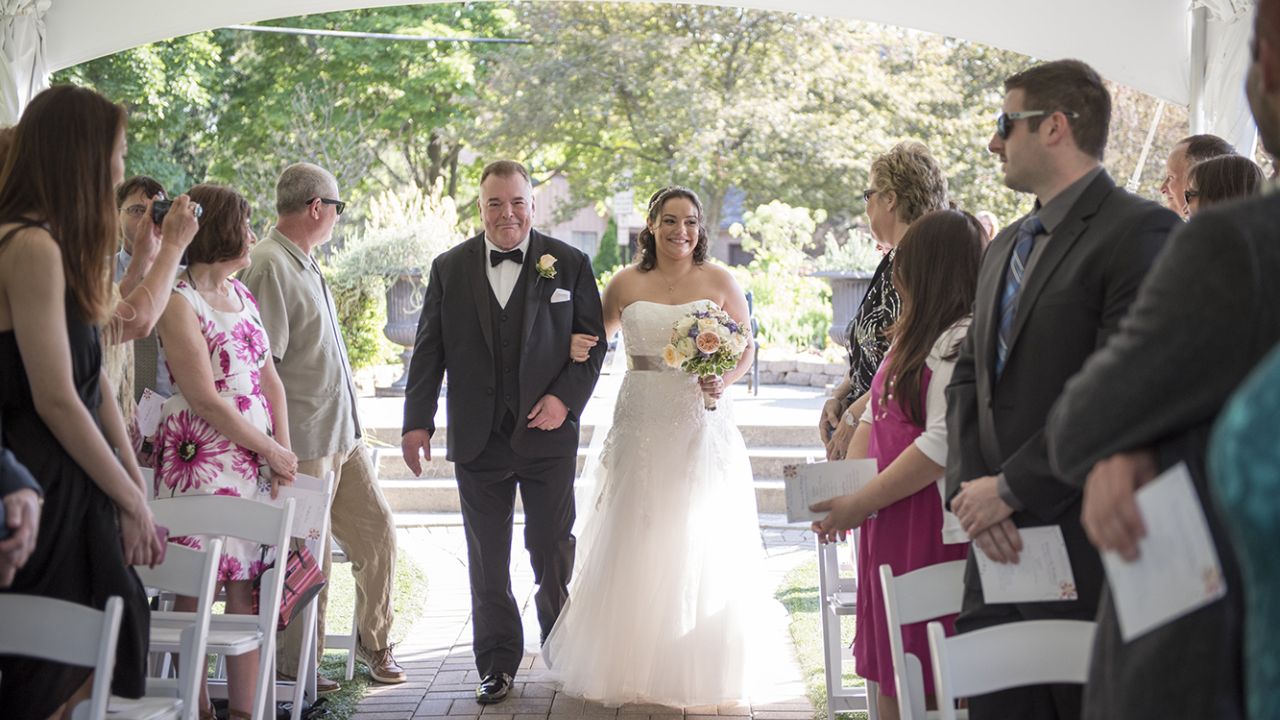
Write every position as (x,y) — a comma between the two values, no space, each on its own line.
(487,486)
(1033,702)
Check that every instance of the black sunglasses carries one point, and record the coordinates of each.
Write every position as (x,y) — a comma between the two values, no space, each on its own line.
(866,195)
(1004,121)
(337,204)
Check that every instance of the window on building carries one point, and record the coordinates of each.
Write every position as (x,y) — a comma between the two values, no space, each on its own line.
(586,241)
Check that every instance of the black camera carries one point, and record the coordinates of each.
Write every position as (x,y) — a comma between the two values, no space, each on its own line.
(160,208)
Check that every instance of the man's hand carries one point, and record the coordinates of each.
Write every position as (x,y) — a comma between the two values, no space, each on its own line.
(979,505)
(1110,514)
(844,513)
(1001,542)
(839,445)
(411,444)
(22,516)
(548,413)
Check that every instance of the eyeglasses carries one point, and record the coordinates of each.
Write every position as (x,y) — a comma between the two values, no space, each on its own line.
(1188,195)
(135,210)
(1004,121)
(866,195)
(338,205)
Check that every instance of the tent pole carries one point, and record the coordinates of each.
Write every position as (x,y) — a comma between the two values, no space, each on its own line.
(1198,67)
(1132,185)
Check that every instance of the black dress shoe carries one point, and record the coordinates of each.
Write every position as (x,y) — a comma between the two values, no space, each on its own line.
(493,688)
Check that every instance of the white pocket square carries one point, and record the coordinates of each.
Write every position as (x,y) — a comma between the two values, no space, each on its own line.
(560,295)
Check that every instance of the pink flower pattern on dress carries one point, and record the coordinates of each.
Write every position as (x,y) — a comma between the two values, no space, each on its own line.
(251,342)
(191,451)
(193,457)
(190,541)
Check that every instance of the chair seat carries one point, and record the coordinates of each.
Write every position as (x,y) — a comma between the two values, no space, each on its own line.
(222,641)
(147,708)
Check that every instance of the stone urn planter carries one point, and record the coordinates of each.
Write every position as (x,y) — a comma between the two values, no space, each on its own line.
(404,305)
(847,290)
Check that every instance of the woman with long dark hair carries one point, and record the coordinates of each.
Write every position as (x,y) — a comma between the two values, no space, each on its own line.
(904,428)
(57,235)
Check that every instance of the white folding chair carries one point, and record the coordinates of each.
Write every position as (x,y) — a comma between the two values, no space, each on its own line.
(304,686)
(344,641)
(837,594)
(231,635)
(194,573)
(925,594)
(60,631)
(1033,652)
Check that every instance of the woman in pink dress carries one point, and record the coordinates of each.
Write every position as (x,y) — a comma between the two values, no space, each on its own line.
(227,417)
(901,512)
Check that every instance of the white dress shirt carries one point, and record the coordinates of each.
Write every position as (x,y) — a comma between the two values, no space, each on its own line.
(503,276)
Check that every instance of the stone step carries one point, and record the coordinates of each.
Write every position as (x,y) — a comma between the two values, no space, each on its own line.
(804,436)
(440,495)
(766,462)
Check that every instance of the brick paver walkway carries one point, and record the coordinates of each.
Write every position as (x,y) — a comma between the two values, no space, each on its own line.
(442,676)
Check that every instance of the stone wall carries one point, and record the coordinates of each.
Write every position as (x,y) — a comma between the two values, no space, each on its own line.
(802,370)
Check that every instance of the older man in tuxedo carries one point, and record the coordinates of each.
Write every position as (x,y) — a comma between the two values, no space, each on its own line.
(498,318)
(1207,315)
(1053,285)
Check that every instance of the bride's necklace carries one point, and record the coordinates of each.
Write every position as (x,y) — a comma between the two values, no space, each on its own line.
(671,284)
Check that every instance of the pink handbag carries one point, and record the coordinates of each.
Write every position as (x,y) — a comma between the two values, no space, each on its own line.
(303,580)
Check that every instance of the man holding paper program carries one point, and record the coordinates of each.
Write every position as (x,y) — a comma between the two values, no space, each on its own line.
(1147,401)
(1053,285)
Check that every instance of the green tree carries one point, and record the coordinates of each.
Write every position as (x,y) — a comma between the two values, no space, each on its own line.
(607,259)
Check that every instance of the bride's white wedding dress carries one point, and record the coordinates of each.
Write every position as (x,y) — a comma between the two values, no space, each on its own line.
(663,603)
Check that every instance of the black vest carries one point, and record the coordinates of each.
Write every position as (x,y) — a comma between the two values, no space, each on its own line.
(508,331)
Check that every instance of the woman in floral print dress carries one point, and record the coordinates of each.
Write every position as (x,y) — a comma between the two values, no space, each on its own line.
(227,417)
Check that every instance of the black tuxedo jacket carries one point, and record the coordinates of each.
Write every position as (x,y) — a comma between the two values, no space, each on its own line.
(1208,313)
(455,335)
(1080,287)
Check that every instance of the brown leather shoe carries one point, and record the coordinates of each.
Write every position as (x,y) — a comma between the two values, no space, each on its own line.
(324,685)
(382,665)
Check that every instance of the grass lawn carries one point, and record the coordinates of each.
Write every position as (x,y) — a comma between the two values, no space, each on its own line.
(798,593)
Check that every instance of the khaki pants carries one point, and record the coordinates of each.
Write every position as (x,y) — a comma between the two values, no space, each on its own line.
(361,521)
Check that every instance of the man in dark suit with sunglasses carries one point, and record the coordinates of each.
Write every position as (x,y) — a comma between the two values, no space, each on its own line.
(1052,287)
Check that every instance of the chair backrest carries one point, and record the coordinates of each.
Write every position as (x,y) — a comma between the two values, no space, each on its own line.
(61,631)
(1033,652)
(925,594)
(242,518)
(194,573)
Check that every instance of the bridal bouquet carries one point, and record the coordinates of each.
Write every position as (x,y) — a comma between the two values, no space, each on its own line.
(706,342)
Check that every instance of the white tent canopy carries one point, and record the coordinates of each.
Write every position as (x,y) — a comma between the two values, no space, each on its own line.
(1188,52)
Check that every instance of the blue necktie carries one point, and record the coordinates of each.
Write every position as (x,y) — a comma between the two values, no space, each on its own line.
(1027,232)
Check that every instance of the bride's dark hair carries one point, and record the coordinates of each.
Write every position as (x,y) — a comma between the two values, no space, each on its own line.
(649,244)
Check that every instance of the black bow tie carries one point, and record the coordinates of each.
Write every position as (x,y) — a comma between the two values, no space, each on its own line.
(516,256)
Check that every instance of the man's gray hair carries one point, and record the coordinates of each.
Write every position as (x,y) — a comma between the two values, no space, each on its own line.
(300,183)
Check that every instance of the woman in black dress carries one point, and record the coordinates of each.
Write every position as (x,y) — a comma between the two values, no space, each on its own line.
(57,230)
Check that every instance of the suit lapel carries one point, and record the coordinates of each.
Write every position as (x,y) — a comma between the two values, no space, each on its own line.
(535,287)
(1060,244)
(480,291)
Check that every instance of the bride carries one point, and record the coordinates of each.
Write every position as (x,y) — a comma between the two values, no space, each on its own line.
(661,609)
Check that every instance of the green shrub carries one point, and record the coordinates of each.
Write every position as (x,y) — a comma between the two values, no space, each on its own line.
(607,259)
(361,302)
(792,309)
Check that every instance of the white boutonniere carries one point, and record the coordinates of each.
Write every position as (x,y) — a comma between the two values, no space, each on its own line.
(547,266)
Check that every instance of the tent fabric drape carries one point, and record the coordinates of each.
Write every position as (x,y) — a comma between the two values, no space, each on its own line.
(1226,109)
(23,67)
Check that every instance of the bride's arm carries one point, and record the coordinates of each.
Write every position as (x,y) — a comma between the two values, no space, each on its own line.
(613,304)
(735,303)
